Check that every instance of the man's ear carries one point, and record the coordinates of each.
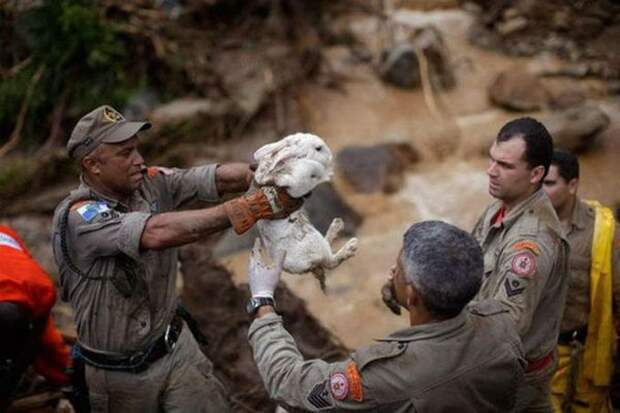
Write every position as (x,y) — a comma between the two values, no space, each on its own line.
(91,165)
(536,174)
(573,185)
(413,297)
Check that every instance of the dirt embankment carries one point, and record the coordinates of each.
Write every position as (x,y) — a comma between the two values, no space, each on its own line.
(586,33)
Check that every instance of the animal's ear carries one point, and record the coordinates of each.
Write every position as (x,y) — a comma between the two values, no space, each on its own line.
(273,158)
(269,149)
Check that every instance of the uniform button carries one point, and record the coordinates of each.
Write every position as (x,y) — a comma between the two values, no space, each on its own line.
(143,323)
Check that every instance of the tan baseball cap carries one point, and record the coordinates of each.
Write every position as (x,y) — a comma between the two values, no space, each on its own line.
(103,125)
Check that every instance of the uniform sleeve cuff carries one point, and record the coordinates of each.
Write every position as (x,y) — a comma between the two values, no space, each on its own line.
(207,190)
(267,319)
(131,232)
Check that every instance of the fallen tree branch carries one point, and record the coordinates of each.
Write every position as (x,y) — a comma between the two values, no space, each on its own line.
(16,134)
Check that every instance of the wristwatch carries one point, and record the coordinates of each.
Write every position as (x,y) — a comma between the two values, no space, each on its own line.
(255,302)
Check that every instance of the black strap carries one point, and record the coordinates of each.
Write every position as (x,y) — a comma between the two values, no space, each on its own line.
(125,285)
(192,324)
(139,361)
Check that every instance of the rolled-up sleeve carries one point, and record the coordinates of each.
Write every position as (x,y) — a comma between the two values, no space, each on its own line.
(108,233)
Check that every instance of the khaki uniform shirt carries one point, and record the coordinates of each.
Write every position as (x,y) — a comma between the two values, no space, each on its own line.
(525,264)
(579,233)
(436,367)
(98,232)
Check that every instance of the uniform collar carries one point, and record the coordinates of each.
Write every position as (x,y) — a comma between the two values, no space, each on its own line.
(582,213)
(515,212)
(430,330)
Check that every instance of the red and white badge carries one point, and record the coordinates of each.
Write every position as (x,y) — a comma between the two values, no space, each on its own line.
(524,264)
(339,386)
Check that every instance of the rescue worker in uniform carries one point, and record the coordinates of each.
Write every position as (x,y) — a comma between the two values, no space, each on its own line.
(525,254)
(114,241)
(587,333)
(27,296)
(451,358)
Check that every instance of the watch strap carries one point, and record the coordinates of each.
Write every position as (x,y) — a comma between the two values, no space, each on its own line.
(255,302)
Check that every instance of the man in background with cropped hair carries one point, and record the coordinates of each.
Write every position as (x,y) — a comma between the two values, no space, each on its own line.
(587,334)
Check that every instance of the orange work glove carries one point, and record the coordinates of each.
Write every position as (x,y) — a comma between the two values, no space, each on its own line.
(267,202)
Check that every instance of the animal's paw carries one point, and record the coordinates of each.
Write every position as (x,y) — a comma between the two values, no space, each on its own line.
(350,248)
(334,229)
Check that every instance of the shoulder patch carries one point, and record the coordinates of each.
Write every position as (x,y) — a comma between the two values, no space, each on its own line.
(319,396)
(524,264)
(8,241)
(339,385)
(355,382)
(526,245)
(91,209)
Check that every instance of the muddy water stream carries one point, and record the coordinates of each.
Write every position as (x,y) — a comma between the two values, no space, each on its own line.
(449,185)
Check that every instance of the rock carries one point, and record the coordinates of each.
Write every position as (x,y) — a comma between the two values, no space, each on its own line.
(575,129)
(399,65)
(322,207)
(325,204)
(378,168)
(517,90)
(567,98)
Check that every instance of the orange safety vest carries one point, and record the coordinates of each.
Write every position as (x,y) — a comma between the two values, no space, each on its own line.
(24,282)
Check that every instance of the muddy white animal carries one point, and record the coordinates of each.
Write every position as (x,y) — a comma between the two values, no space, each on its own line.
(299,163)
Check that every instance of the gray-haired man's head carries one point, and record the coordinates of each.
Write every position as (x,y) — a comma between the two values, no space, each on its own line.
(444,264)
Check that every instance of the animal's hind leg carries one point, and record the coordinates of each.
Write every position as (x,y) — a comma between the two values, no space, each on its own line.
(334,229)
(347,251)
(319,274)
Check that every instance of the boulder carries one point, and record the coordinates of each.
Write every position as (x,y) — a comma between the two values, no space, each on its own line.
(399,64)
(575,129)
(378,168)
(325,204)
(519,91)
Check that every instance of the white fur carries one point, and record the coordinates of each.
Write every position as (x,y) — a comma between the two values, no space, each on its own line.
(299,163)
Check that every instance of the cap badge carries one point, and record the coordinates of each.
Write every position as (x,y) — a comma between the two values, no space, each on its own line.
(111,115)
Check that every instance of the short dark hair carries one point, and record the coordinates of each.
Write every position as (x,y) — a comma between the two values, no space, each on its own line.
(567,163)
(538,141)
(444,264)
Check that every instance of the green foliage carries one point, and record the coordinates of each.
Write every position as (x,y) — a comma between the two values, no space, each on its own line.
(84,57)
